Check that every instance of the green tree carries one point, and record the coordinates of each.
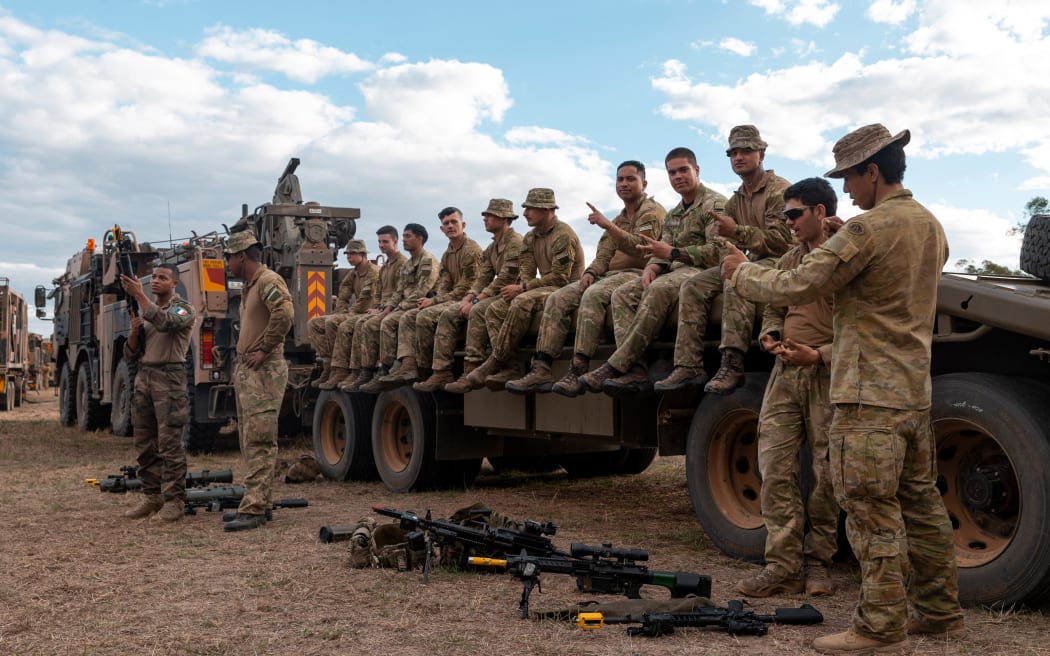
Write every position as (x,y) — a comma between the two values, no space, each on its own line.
(987,267)
(1038,205)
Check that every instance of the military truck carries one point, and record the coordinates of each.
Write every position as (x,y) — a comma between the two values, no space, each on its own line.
(14,346)
(38,363)
(991,418)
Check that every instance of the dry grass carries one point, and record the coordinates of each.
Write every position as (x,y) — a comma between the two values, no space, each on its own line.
(77,578)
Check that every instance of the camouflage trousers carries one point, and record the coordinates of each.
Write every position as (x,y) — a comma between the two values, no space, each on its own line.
(343,350)
(159,410)
(591,304)
(378,339)
(324,331)
(446,336)
(883,471)
(508,322)
(796,410)
(639,314)
(694,306)
(259,394)
(418,339)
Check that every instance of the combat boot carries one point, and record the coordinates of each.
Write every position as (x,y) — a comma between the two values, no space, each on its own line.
(476,378)
(150,504)
(570,384)
(437,381)
(593,381)
(374,386)
(172,511)
(680,378)
(363,376)
(730,375)
(851,642)
(510,371)
(326,371)
(635,381)
(405,374)
(539,379)
(339,374)
(768,583)
(244,522)
(818,581)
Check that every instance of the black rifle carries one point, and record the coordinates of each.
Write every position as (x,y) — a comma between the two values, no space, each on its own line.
(424,532)
(128,479)
(126,269)
(331,534)
(733,619)
(601,570)
(227,496)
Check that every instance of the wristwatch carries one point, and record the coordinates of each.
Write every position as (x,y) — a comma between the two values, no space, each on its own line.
(675,254)
(474,301)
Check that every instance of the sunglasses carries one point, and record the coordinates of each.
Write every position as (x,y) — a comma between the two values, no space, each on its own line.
(795,213)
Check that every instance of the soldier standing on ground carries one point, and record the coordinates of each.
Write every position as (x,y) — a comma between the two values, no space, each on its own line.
(796,411)
(355,297)
(754,221)
(883,267)
(159,339)
(260,375)
(500,266)
(617,262)
(641,308)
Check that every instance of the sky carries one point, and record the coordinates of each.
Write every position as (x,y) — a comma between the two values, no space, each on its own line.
(165,116)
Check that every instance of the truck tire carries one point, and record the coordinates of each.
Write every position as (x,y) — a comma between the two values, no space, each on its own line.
(342,436)
(993,448)
(200,436)
(1035,248)
(120,411)
(637,460)
(722,469)
(67,401)
(91,415)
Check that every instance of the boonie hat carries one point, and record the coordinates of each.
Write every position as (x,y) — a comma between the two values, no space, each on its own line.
(745,137)
(240,241)
(356,246)
(540,197)
(861,144)
(500,207)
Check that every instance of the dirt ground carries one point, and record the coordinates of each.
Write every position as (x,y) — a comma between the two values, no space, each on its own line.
(78,578)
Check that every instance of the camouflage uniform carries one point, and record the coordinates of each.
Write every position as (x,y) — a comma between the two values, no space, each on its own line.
(500,266)
(556,257)
(379,334)
(358,286)
(616,263)
(347,351)
(459,270)
(639,314)
(762,233)
(796,409)
(883,267)
(160,405)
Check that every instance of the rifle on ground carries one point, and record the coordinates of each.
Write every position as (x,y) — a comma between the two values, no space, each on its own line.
(425,532)
(221,497)
(601,570)
(733,619)
(128,480)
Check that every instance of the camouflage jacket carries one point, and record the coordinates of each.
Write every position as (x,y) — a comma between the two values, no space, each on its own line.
(417,279)
(167,331)
(389,274)
(694,230)
(761,231)
(618,254)
(551,258)
(356,289)
(459,269)
(500,265)
(266,313)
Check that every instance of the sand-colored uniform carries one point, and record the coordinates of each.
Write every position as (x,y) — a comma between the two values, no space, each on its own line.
(460,267)
(638,314)
(160,403)
(796,410)
(348,350)
(355,297)
(762,233)
(378,333)
(617,262)
(550,259)
(266,317)
(882,267)
(500,266)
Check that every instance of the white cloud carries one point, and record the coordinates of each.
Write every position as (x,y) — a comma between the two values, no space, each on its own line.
(538,135)
(800,12)
(893,12)
(737,47)
(977,235)
(304,60)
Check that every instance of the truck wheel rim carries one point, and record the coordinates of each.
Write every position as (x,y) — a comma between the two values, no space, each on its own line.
(333,433)
(397,439)
(732,469)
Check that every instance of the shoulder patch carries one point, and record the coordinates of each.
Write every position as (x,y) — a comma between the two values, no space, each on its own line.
(645,227)
(855,228)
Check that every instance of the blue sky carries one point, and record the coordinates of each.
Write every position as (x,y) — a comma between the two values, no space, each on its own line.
(126,111)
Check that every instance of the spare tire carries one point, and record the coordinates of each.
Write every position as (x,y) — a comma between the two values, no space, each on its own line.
(1035,249)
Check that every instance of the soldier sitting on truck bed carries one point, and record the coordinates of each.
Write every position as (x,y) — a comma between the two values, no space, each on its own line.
(499,268)
(355,297)
(460,266)
(753,221)
(617,262)
(417,280)
(641,308)
(551,257)
(346,354)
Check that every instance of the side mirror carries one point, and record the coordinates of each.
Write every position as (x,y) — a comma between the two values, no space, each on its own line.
(40,297)
(41,313)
